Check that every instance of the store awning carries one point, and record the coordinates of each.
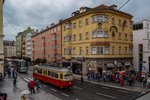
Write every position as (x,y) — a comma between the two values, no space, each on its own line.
(110,65)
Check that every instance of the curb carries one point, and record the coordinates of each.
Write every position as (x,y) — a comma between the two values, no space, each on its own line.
(112,86)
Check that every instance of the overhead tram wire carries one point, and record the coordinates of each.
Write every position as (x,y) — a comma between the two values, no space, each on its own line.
(118,9)
(10,23)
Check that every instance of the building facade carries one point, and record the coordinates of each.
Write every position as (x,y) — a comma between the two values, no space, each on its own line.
(97,39)
(47,44)
(21,42)
(141,42)
(1,40)
(18,44)
(9,49)
(29,44)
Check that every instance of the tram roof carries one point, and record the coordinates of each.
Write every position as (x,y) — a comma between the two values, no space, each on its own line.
(52,67)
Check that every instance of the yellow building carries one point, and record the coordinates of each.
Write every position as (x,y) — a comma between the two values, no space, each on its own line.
(99,38)
(1,40)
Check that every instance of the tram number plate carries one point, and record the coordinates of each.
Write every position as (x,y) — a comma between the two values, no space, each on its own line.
(69,82)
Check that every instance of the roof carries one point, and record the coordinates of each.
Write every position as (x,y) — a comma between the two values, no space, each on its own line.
(100,8)
(52,68)
(140,21)
(45,29)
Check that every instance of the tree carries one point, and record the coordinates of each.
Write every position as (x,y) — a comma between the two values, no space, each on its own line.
(43,61)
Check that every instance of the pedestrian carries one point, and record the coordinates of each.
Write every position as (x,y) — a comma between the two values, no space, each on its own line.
(9,72)
(29,86)
(32,85)
(37,84)
(3,96)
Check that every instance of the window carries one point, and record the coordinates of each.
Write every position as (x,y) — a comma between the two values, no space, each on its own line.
(80,36)
(87,37)
(74,37)
(86,21)
(113,21)
(131,37)
(80,50)
(61,76)
(74,25)
(119,36)
(113,50)
(93,50)
(80,23)
(87,50)
(100,34)
(49,73)
(74,49)
(100,50)
(125,50)
(119,22)
(52,74)
(119,50)
(113,34)
(126,36)
(56,75)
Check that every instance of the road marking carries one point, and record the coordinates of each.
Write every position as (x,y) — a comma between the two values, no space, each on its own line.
(109,96)
(123,91)
(44,86)
(77,87)
(91,84)
(30,79)
(26,79)
(76,99)
(105,87)
(65,94)
(53,90)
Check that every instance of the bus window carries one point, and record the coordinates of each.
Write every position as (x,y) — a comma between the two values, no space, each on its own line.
(56,75)
(61,76)
(49,73)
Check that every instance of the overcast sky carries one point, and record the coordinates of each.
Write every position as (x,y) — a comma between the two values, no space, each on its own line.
(19,14)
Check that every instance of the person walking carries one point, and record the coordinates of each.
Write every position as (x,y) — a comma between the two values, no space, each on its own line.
(32,85)
(37,84)
(14,74)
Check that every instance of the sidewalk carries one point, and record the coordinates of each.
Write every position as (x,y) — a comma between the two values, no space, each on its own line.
(138,86)
(6,86)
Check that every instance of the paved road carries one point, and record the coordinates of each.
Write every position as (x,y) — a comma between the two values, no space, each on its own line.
(87,91)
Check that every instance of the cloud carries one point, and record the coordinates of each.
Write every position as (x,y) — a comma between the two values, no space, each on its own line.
(40,13)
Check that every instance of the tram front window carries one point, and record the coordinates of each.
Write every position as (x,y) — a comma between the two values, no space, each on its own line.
(68,77)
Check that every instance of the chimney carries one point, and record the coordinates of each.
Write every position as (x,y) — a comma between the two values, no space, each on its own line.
(114,7)
(47,27)
(52,24)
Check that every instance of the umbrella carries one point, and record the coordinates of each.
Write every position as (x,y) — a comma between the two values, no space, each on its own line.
(25,92)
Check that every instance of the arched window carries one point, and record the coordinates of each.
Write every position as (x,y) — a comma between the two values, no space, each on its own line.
(113,34)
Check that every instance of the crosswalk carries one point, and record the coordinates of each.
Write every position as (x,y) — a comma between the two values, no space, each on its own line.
(26,79)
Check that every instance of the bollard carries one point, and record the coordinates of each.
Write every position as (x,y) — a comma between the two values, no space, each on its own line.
(23,97)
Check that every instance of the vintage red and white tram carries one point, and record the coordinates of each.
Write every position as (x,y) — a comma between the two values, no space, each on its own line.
(57,76)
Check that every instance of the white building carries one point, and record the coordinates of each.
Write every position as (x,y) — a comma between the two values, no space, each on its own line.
(141,45)
(28,44)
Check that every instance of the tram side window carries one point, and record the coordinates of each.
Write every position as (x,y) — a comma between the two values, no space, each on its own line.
(49,73)
(61,76)
(52,74)
(40,71)
(56,75)
(45,72)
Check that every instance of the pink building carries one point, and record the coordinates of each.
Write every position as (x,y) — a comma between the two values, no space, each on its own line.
(47,44)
